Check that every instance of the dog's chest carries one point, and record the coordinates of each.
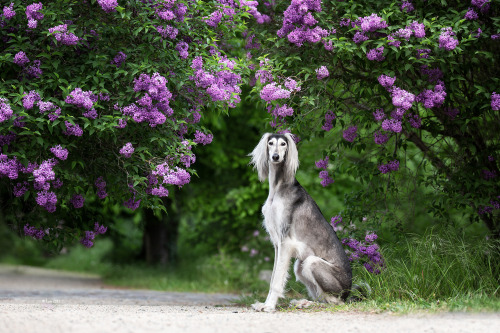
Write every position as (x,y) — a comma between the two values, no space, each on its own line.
(274,217)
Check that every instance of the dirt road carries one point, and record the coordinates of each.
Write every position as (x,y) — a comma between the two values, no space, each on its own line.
(37,300)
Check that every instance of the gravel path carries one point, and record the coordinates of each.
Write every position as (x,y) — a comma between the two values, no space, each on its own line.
(38,300)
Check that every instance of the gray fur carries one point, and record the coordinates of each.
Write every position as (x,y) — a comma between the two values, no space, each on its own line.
(298,229)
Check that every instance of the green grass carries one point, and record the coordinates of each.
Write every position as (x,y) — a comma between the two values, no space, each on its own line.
(433,272)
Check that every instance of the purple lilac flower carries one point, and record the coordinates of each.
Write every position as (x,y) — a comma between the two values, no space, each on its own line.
(282,111)
(488,175)
(423,53)
(335,221)
(8,12)
(21,59)
(350,134)
(62,35)
(72,129)
(386,81)
(414,120)
(418,29)
(82,99)
(392,125)
(322,164)
(329,117)
(100,229)
(371,237)
(8,167)
(326,180)
(30,99)
(407,7)
(431,98)
(446,39)
(20,189)
(101,188)
(380,138)
(471,15)
(49,106)
(372,23)
(202,138)
(389,167)
(57,183)
(127,150)
(272,92)
(60,152)
(495,101)
(44,172)
(33,232)
(34,71)
(77,201)
(379,115)
(291,85)
(33,14)
(132,204)
(322,72)
(5,110)
(182,48)
(479,3)
(87,240)
(119,59)
(47,200)
(402,98)
(496,36)
(376,54)
(108,5)
(214,19)
(359,37)
(478,33)
(178,177)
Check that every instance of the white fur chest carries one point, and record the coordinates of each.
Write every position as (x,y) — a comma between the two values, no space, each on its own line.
(274,219)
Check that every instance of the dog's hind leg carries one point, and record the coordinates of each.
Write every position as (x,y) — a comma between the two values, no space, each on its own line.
(322,279)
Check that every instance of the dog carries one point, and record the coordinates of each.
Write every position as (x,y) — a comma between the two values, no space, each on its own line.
(297,229)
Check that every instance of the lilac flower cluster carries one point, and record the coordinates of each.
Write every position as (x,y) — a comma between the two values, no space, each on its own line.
(298,23)
(329,117)
(62,35)
(127,150)
(221,85)
(324,175)
(182,48)
(379,115)
(33,14)
(273,91)
(156,91)
(167,31)
(108,5)
(60,152)
(5,110)
(389,167)
(202,138)
(495,101)
(77,201)
(446,39)
(367,252)
(414,120)
(423,53)
(471,15)
(359,37)
(489,175)
(177,177)
(291,84)
(322,72)
(20,189)
(376,54)
(407,7)
(371,23)
(132,203)
(431,99)
(54,111)
(335,221)
(386,81)
(47,200)
(434,74)
(87,240)
(33,232)
(119,59)
(72,129)
(392,125)
(83,99)
(350,134)
(30,99)
(8,12)
(101,188)
(483,5)
(8,167)
(380,138)
(21,59)
(214,19)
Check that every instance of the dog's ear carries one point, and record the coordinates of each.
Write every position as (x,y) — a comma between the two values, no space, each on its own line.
(260,160)
(292,158)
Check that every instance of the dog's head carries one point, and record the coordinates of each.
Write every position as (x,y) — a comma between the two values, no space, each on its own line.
(275,149)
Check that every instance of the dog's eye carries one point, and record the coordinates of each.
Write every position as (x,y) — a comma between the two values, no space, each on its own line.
(283,144)
(270,143)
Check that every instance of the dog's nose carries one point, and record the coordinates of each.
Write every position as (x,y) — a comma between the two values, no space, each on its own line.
(276,157)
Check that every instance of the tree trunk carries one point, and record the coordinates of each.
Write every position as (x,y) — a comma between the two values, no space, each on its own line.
(159,245)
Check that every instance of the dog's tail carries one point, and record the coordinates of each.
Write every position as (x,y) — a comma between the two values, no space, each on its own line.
(359,291)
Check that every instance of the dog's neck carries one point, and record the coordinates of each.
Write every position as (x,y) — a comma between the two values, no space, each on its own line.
(277,176)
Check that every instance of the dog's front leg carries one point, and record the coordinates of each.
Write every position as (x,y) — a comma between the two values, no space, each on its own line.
(278,279)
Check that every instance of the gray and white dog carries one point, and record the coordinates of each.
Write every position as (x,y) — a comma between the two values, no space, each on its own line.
(297,228)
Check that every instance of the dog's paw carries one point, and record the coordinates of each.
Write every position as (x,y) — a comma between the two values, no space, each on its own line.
(262,307)
(301,303)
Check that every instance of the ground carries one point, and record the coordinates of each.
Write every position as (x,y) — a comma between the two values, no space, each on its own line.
(39,300)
